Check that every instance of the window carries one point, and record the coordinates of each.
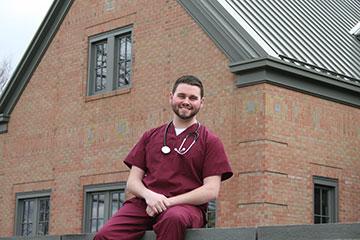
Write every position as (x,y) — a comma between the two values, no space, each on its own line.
(32,213)
(325,200)
(211,214)
(101,202)
(110,61)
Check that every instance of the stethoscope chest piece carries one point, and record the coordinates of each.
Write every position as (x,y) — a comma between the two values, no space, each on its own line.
(165,149)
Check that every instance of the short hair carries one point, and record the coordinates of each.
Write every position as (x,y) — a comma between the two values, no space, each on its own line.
(191,80)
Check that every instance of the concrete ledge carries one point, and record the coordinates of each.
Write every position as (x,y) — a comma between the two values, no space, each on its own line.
(290,232)
(306,232)
(53,237)
(213,234)
(88,236)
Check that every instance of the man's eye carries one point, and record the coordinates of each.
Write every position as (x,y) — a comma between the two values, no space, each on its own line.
(193,98)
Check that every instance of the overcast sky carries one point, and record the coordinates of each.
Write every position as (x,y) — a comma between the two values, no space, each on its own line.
(19,21)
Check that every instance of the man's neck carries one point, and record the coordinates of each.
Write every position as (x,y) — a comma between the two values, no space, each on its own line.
(180,123)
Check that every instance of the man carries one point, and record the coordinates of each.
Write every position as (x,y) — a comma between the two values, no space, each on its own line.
(175,170)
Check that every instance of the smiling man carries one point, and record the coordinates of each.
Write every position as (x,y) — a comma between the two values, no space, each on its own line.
(175,170)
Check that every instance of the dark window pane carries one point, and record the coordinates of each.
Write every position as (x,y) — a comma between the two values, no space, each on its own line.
(94,206)
(325,202)
(31,211)
(25,211)
(117,201)
(317,201)
(101,213)
(324,207)
(124,60)
(26,229)
(100,223)
(43,223)
(110,201)
(27,218)
(23,230)
(211,214)
(93,225)
(128,48)
(100,66)
(41,230)
(325,220)
(35,216)
(122,49)
(98,211)
(122,198)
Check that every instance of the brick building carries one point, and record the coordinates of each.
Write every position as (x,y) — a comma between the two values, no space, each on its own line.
(282,91)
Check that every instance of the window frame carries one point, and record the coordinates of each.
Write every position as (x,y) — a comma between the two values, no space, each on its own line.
(89,190)
(36,196)
(212,203)
(332,185)
(111,66)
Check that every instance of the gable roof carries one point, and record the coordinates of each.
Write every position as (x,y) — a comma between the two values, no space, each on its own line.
(306,41)
(302,45)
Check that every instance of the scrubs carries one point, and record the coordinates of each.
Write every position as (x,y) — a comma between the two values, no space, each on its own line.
(169,174)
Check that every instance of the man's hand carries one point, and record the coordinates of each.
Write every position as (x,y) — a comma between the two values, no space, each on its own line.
(157,203)
(150,212)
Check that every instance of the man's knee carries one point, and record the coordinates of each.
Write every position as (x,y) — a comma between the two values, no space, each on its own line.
(175,216)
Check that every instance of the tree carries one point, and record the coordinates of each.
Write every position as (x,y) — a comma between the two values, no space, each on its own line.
(5,72)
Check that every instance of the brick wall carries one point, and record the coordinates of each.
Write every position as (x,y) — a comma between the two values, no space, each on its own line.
(284,139)
(60,139)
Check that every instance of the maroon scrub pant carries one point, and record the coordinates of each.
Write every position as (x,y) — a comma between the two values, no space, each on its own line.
(131,222)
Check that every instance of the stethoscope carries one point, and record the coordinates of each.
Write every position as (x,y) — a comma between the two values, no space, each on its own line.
(181,150)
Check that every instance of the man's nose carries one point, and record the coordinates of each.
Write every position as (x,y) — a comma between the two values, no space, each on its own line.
(186,101)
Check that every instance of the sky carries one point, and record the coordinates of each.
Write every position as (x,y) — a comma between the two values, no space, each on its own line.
(19,21)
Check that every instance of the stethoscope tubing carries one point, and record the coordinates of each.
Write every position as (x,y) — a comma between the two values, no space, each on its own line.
(181,150)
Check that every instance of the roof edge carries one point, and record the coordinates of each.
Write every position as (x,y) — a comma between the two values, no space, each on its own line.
(277,72)
(224,30)
(32,58)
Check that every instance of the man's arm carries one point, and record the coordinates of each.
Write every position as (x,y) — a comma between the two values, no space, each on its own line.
(207,192)
(157,202)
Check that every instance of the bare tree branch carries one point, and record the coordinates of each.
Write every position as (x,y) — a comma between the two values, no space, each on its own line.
(5,71)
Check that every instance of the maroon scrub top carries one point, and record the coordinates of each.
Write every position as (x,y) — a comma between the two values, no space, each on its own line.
(173,174)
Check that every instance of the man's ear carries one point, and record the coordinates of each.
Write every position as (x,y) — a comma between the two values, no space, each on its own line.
(202,101)
(170,97)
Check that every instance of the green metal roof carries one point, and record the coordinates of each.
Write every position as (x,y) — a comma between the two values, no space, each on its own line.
(312,33)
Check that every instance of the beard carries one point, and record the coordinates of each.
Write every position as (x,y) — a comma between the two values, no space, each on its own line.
(189,114)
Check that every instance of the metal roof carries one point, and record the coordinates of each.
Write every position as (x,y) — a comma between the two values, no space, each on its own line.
(312,33)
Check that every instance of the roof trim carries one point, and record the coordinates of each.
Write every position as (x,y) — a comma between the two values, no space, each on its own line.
(277,72)
(224,30)
(31,59)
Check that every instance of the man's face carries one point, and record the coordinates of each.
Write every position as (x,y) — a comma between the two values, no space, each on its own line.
(186,101)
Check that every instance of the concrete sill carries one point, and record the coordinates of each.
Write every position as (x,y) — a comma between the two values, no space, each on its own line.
(290,232)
